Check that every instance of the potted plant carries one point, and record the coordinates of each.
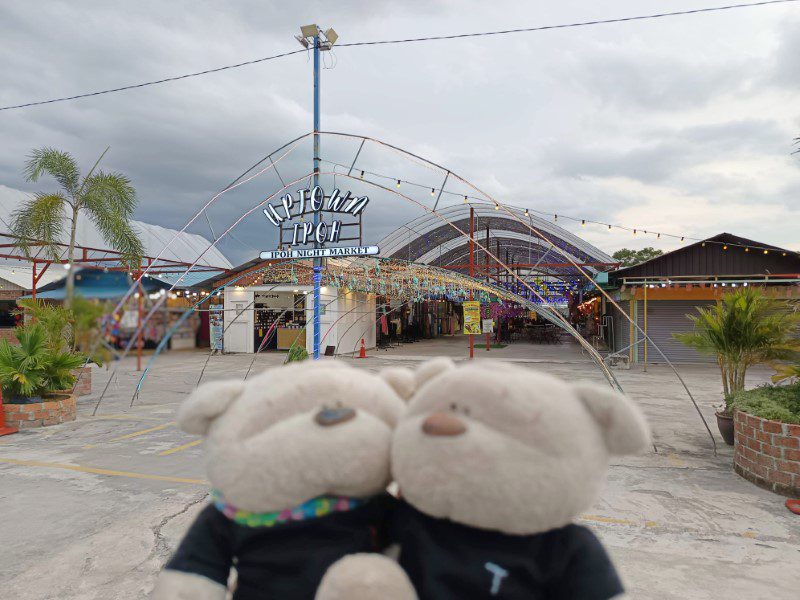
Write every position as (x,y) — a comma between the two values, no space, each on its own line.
(71,330)
(742,329)
(31,369)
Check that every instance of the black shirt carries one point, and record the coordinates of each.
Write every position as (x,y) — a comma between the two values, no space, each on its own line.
(286,561)
(446,560)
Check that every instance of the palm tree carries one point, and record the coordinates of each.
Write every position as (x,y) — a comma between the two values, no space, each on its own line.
(743,329)
(108,199)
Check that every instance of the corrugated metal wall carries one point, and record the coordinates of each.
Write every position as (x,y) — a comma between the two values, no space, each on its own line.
(665,317)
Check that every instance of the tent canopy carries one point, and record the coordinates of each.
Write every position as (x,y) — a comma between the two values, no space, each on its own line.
(184,249)
(97,284)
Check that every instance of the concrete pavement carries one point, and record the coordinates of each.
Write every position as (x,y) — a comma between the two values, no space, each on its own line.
(92,509)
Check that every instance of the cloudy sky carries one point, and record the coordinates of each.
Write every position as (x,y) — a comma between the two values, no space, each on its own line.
(681,125)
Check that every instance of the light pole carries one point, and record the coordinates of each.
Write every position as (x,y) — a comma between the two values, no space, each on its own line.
(320,41)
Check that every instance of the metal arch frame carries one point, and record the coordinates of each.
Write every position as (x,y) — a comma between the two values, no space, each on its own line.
(293,144)
(394,241)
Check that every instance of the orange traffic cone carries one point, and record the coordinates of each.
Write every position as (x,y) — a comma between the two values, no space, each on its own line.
(3,429)
(363,352)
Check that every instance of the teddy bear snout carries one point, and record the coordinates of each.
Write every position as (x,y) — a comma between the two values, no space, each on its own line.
(333,416)
(443,424)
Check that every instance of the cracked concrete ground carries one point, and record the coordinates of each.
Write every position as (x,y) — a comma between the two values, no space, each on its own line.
(92,509)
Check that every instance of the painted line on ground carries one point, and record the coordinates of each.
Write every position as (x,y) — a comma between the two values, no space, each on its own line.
(123,417)
(179,448)
(129,436)
(97,471)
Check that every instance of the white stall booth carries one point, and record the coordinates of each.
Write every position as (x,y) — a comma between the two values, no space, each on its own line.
(276,317)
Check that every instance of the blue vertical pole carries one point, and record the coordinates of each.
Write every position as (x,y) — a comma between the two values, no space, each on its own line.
(317,261)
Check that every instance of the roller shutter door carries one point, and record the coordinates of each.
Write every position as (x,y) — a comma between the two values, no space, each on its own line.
(621,326)
(665,317)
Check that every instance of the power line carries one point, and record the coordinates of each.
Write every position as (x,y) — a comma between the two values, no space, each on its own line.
(568,25)
(408,41)
(148,83)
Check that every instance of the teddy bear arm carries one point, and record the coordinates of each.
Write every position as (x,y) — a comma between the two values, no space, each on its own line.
(589,573)
(202,563)
(178,585)
(365,577)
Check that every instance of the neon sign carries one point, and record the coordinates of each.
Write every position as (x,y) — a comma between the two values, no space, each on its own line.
(314,201)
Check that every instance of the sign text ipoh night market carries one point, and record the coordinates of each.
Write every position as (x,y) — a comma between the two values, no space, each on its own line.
(320,233)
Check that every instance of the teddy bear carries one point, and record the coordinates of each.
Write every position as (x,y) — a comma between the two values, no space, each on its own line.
(494,463)
(298,459)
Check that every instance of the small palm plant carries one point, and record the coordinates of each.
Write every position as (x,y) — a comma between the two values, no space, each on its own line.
(107,199)
(743,329)
(21,370)
(32,368)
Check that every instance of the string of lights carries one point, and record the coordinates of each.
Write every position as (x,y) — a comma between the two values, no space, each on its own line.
(432,38)
(525,211)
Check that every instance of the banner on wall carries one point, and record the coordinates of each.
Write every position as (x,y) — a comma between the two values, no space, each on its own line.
(215,326)
(472,318)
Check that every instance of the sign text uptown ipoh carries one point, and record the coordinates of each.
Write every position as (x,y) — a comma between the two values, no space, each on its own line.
(306,232)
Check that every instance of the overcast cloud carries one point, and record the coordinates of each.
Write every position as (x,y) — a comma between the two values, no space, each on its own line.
(682,125)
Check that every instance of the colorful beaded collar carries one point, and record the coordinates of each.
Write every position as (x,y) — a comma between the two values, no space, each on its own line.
(311,509)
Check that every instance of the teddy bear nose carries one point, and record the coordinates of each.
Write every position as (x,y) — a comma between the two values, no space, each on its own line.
(333,416)
(443,424)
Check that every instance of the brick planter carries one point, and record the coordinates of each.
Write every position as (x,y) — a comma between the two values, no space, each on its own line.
(83,386)
(58,408)
(767,453)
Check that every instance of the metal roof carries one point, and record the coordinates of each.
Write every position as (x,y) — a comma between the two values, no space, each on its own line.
(724,255)
(22,275)
(185,248)
(431,240)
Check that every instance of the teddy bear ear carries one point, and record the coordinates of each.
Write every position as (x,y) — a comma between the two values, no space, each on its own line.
(207,403)
(624,428)
(433,368)
(401,380)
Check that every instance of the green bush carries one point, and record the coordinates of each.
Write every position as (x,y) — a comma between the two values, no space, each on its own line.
(296,353)
(777,403)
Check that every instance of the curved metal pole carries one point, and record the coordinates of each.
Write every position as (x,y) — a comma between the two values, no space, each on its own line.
(297,337)
(592,352)
(542,236)
(214,349)
(185,315)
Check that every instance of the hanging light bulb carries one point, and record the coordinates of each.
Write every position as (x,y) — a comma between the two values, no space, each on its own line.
(783,254)
(583,222)
(766,251)
(681,238)
(466,199)
(14,271)
(555,218)
(658,237)
(398,183)
(432,191)
(496,206)
(725,247)
(527,214)
(703,244)
(362,174)
(747,249)
(609,227)
(634,232)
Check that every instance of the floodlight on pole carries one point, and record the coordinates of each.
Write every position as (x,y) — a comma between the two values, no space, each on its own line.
(312,36)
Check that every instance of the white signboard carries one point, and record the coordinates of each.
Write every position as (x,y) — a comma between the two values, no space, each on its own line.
(321,252)
(488,325)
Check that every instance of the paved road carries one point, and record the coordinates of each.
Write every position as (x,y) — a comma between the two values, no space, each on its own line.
(92,509)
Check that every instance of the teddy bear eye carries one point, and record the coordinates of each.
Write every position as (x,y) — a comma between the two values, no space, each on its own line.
(453,407)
